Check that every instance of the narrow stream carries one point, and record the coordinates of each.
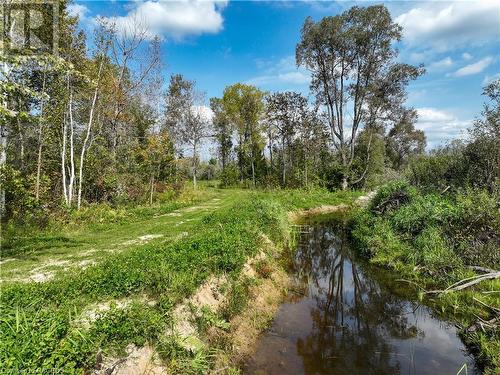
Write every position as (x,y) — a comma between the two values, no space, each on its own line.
(344,319)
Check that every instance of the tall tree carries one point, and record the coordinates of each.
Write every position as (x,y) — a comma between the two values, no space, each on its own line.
(347,55)
(244,105)
(222,131)
(403,140)
(286,111)
(186,117)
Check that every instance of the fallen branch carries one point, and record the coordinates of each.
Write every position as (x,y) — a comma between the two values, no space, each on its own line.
(492,308)
(466,283)
(482,269)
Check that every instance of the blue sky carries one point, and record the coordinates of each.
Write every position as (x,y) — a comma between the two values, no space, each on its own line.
(218,43)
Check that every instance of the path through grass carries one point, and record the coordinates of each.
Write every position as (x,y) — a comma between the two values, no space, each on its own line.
(39,256)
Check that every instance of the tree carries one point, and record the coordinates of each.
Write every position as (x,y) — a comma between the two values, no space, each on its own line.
(404,141)
(156,156)
(222,131)
(244,106)
(286,112)
(348,55)
(482,152)
(186,117)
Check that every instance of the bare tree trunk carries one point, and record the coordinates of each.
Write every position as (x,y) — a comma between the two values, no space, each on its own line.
(71,185)
(253,172)
(284,161)
(63,161)
(3,159)
(87,136)
(152,180)
(21,143)
(68,186)
(194,166)
(40,142)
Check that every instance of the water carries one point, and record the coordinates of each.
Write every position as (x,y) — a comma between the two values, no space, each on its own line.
(346,318)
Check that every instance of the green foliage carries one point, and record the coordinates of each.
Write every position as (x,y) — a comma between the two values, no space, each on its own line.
(430,239)
(433,251)
(229,177)
(399,192)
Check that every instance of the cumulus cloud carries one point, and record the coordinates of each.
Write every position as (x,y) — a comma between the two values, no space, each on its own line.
(447,26)
(175,19)
(284,71)
(474,68)
(78,10)
(440,126)
(441,64)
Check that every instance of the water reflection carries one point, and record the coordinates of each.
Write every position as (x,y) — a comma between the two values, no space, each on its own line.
(346,322)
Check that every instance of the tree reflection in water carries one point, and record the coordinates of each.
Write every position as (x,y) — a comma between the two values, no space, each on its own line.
(353,316)
(347,322)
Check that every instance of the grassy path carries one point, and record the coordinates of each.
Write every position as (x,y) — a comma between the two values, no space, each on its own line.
(61,251)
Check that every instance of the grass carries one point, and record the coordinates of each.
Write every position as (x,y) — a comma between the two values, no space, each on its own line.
(430,240)
(99,232)
(39,321)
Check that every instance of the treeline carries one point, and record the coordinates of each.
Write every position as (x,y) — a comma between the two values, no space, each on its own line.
(96,125)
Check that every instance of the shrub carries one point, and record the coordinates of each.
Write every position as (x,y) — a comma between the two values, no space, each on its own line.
(392,195)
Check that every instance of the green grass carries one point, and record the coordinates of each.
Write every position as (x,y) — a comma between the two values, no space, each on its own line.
(38,324)
(430,240)
(98,232)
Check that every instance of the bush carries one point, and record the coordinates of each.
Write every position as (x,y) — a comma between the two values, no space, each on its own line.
(392,196)
(229,176)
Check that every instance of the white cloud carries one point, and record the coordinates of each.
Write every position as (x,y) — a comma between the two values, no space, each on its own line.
(474,68)
(174,19)
(284,71)
(78,10)
(299,78)
(489,79)
(447,26)
(441,64)
(466,56)
(440,126)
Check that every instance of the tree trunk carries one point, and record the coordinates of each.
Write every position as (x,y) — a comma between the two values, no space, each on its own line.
(344,183)
(39,163)
(63,161)
(71,185)
(87,136)
(305,173)
(40,143)
(284,162)
(253,172)
(240,158)
(194,166)
(151,190)
(21,144)
(3,159)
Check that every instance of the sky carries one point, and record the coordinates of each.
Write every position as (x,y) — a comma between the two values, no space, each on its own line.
(219,43)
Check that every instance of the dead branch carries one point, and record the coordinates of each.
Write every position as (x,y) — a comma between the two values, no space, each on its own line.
(466,283)
(482,269)
(496,310)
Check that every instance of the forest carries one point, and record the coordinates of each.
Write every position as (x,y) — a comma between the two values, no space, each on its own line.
(125,190)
